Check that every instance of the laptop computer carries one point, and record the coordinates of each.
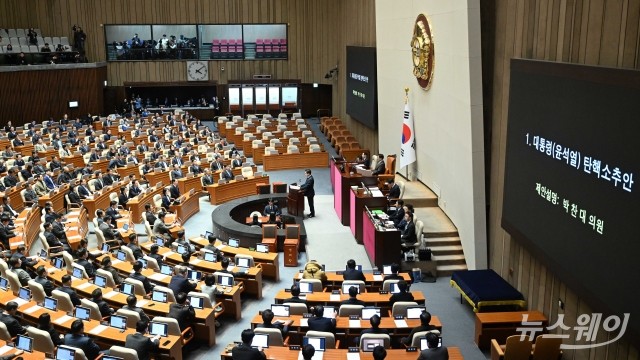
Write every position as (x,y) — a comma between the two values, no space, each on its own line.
(280,310)
(263,248)
(128,289)
(58,262)
(414,312)
(346,287)
(209,256)
(424,345)
(4,283)
(207,234)
(305,287)
(43,254)
(105,248)
(118,322)
(194,275)
(120,255)
(65,353)
(318,343)
(393,288)
(24,293)
(125,227)
(225,280)
(197,302)
(369,344)
(50,303)
(329,312)
(100,281)
(82,313)
(386,270)
(24,343)
(234,243)
(77,273)
(159,296)
(166,269)
(368,312)
(260,340)
(157,328)
(159,241)
(243,262)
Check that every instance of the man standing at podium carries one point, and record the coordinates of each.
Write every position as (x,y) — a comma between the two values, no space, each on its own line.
(307,187)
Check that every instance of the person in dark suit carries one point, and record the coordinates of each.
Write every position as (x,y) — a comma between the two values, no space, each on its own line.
(307,352)
(105,309)
(395,269)
(83,189)
(83,261)
(132,302)
(76,338)
(351,273)
(166,199)
(425,319)
(6,231)
(149,214)
(137,275)
(434,352)
(380,167)
(217,165)
(53,240)
(244,351)
(112,211)
(267,322)
(379,353)
(26,263)
(143,345)
(135,189)
(66,288)
(123,197)
(394,189)
(207,178)
(353,297)
(8,318)
(237,162)
(227,174)
(320,323)
(398,214)
(153,253)
(364,160)
(403,295)
(44,323)
(195,168)
(176,173)
(309,192)
(271,208)
(295,296)
(182,311)
(374,329)
(107,266)
(174,190)
(179,282)
(409,231)
(42,279)
(135,248)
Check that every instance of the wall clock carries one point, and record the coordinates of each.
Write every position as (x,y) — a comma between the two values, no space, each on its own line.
(197,71)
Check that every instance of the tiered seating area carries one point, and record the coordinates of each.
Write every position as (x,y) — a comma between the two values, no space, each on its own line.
(15,41)
(227,49)
(341,138)
(271,48)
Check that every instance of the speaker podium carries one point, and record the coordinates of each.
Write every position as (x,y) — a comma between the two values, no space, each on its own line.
(295,201)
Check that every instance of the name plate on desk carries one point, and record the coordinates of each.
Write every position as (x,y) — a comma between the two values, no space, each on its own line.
(382,292)
(412,349)
(354,349)
(294,347)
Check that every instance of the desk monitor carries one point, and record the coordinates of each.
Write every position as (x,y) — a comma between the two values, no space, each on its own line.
(118,322)
(369,344)
(65,353)
(100,281)
(58,262)
(280,310)
(260,340)
(263,248)
(128,288)
(346,287)
(181,249)
(197,302)
(24,293)
(157,328)
(120,255)
(4,283)
(243,262)
(24,343)
(329,312)
(166,269)
(393,288)
(414,312)
(318,343)
(234,243)
(159,296)
(225,280)
(386,270)
(194,275)
(305,287)
(368,312)
(50,303)
(77,273)
(82,313)
(424,345)
(209,256)
(105,248)
(159,241)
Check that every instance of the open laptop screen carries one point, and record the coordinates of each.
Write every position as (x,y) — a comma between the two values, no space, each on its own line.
(414,312)
(368,312)
(24,343)
(225,280)
(260,340)
(159,296)
(424,345)
(156,328)
(369,344)
(280,310)
(318,343)
(65,353)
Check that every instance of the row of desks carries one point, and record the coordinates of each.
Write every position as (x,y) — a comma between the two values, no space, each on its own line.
(283,353)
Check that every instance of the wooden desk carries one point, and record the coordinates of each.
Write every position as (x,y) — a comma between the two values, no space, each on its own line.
(295,161)
(234,189)
(26,149)
(252,279)
(382,246)
(76,160)
(359,199)
(57,199)
(106,337)
(136,204)
(372,282)
(342,187)
(500,325)
(326,298)
(155,177)
(283,353)
(15,199)
(100,199)
(187,208)
(124,172)
(27,228)
(186,184)
(270,261)
(77,225)
(101,165)
(46,155)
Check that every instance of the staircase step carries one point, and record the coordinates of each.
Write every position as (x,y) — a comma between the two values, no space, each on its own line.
(449,259)
(447,270)
(436,222)
(447,250)
(442,241)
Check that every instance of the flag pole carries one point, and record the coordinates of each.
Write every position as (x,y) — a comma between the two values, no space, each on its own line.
(406,101)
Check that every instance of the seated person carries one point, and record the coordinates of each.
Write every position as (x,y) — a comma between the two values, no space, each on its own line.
(9,319)
(211,246)
(351,273)
(182,311)
(408,233)
(83,261)
(209,288)
(244,350)
(425,319)
(295,296)
(66,287)
(403,295)
(42,279)
(395,269)
(434,352)
(44,324)
(153,253)
(267,322)
(374,329)
(105,309)
(321,323)
(16,266)
(353,297)
(142,344)
(271,208)
(135,248)
(313,270)
(78,339)
(132,302)
(137,275)
(108,266)
(179,282)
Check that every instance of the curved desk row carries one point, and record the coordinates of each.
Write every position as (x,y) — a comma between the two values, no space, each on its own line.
(234,189)
(296,161)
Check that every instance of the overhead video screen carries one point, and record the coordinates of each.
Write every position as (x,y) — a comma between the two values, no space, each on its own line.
(362,97)
(570,191)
